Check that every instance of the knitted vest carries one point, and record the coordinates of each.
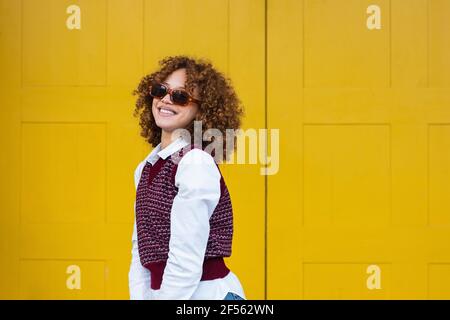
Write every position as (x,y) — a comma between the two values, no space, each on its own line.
(154,197)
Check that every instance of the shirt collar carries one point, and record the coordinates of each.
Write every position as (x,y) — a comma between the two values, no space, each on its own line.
(173,147)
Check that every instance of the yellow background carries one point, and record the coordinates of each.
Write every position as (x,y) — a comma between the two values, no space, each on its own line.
(364,119)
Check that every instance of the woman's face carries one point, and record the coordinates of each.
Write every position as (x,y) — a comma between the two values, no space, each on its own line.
(169,116)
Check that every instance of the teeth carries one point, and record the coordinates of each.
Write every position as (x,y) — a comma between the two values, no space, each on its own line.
(162,110)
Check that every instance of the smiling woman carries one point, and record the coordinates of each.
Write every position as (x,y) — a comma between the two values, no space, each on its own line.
(184,218)
(173,108)
(219,106)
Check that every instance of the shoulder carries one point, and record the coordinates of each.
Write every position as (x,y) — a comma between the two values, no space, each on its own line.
(197,167)
(198,157)
(137,172)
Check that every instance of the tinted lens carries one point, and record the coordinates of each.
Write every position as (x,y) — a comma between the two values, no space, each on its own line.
(180,97)
(158,90)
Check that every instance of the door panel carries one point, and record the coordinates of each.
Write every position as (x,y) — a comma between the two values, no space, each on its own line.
(71,144)
(362,191)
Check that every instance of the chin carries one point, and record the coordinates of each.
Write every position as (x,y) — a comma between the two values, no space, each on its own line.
(168,125)
(165,126)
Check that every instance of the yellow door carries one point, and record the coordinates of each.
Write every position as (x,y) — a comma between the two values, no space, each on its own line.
(70,143)
(358,89)
(360,206)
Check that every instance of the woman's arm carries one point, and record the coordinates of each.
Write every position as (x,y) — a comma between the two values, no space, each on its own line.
(198,182)
(138,276)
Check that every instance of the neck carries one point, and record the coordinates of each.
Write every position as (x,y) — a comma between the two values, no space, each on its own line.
(166,138)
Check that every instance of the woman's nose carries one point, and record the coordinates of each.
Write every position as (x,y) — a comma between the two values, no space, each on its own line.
(166,99)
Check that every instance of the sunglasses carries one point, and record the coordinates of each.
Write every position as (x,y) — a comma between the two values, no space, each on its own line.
(177,96)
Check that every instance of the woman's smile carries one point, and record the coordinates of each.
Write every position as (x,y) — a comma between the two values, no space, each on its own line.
(166,111)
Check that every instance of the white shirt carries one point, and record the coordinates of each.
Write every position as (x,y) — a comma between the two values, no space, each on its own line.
(198,182)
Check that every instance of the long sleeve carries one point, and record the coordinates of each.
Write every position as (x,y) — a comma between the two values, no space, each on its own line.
(198,182)
(138,276)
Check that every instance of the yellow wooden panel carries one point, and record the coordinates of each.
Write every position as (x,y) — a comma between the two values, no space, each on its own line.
(439,46)
(285,111)
(109,243)
(409,173)
(47,279)
(409,280)
(73,120)
(55,55)
(9,250)
(121,193)
(344,281)
(363,150)
(10,46)
(111,106)
(346,175)
(124,42)
(116,279)
(439,281)
(117,264)
(409,43)
(67,241)
(10,127)
(63,175)
(67,104)
(246,184)
(339,50)
(439,175)
(194,27)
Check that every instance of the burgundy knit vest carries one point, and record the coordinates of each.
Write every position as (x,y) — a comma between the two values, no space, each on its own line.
(154,197)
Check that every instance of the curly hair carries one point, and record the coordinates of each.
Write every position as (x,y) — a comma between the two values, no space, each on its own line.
(220,108)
